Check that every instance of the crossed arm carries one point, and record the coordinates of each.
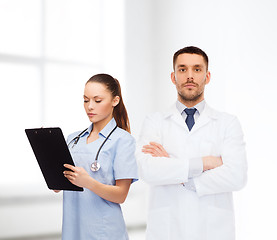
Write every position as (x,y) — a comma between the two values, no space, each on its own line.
(157,150)
(157,169)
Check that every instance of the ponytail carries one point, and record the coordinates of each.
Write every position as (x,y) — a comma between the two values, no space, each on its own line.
(119,113)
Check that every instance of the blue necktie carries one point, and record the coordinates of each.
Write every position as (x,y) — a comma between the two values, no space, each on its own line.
(190,119)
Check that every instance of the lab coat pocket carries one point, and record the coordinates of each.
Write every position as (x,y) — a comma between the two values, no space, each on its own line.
(206,148)
(220,224)
(209,148)
(158,224)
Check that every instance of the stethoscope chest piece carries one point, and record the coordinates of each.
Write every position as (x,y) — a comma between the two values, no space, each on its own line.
(95,166)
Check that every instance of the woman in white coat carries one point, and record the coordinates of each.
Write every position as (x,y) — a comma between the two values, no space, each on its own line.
(192,169)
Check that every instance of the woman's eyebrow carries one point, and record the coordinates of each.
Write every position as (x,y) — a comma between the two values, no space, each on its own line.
(97,96)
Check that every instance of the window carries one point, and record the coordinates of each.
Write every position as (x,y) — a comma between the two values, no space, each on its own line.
(48,49)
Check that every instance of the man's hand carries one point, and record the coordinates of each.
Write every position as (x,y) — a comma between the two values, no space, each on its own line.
(155,149)
(211,162)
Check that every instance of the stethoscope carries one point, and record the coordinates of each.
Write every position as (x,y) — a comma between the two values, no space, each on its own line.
(95,166)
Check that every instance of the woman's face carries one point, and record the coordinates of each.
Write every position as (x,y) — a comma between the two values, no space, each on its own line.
(99,102)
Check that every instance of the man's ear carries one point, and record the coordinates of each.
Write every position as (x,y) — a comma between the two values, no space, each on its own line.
(116,101)
(208,77)
(173,80)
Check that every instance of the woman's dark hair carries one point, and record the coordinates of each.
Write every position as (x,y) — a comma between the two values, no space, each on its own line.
(119,113)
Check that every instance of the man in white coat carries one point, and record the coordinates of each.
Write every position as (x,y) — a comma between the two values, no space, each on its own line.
(193,157)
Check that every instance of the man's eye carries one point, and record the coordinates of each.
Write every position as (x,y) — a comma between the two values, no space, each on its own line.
(182,70)
(197,70)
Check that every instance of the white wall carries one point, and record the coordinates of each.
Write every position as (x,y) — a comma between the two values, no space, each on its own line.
(137,47)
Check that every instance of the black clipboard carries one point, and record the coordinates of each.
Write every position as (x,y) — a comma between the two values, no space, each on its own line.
(51,151)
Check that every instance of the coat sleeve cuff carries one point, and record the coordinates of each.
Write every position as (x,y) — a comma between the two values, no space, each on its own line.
(195,167)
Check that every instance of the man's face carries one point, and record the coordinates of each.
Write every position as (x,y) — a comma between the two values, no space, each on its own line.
(190,77)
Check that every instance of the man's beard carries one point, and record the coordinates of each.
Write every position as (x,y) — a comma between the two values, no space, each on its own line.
(186,96)
(190,98)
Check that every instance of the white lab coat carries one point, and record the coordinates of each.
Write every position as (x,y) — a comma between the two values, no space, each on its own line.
(175,212)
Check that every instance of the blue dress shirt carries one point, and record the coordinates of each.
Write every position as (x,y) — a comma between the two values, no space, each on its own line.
(195,164)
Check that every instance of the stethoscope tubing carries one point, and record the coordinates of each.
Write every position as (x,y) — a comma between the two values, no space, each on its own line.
(96,157)
(76,139)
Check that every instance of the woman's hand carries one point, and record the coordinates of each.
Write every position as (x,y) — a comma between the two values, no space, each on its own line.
(78,176)
(155,149)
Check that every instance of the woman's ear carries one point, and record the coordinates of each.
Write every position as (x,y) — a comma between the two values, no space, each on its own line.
(116,100)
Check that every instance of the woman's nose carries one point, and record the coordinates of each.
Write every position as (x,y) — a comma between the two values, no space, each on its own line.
(91,105)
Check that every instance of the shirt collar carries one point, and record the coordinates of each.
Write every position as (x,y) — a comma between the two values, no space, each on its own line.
(87,131)
(108,128)
(200,106)
(105,131)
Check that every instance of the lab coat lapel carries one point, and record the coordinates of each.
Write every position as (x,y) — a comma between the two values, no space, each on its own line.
(176,117)
(207,115)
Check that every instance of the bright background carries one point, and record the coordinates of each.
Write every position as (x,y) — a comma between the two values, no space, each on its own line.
(50,48)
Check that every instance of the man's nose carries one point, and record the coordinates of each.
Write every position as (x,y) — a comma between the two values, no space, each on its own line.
(189,75)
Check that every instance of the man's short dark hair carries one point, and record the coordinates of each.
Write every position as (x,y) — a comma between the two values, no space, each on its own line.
(191,50)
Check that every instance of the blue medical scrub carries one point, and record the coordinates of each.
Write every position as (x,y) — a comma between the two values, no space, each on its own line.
(86,216)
